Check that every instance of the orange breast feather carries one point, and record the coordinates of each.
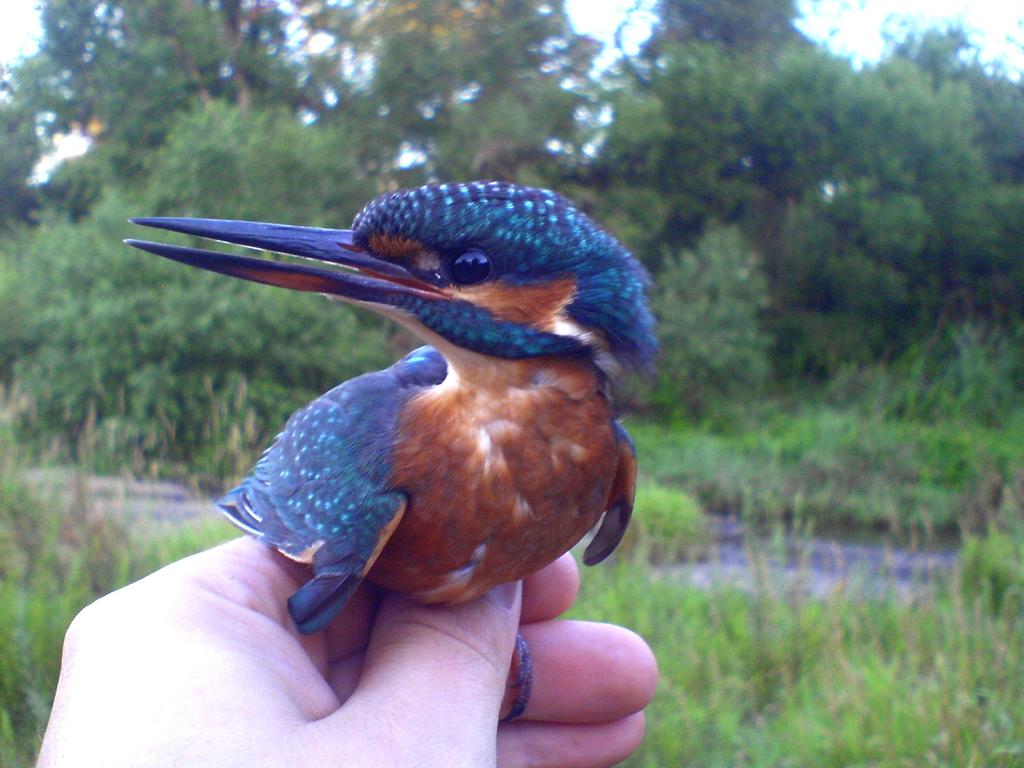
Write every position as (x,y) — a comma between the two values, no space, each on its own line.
(502,479)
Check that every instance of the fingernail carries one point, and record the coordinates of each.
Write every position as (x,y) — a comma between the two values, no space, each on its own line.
(506,595)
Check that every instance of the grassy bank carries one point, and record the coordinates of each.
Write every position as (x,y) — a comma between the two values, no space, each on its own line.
(749,678)
(836,466)
(759,679)
(57,554)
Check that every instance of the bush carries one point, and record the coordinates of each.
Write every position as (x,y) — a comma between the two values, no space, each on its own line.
(223,162)
(669,523)
(13,312)
(132,357)
(972,372)
(59,552)
(993,569)
(976,373)
(707,302)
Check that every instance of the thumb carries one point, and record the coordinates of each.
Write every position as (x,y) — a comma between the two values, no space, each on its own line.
(442,670)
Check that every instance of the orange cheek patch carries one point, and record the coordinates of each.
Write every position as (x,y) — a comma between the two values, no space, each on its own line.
(394,247)
(536,305)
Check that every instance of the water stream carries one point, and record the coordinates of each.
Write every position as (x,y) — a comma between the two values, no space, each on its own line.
(815,565)
(810,565)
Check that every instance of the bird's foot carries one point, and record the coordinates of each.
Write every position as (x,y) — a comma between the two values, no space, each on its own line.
(520,680)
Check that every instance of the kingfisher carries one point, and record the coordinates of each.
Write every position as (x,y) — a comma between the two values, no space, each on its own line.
(481,457)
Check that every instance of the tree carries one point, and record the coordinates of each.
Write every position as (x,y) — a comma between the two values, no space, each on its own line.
(949,56)
(873,214)
(741,26)
(461,89)
(708,301)
(19,152)
(121,71)
(674,156)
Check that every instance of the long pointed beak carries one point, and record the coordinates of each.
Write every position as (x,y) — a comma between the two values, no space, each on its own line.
(377,281)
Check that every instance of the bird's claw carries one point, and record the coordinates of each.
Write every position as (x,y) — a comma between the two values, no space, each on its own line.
(520,679)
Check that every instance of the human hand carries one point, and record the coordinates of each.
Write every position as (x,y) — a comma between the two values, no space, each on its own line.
(200,665)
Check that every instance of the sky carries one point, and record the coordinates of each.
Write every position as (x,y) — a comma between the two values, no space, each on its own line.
(853,28)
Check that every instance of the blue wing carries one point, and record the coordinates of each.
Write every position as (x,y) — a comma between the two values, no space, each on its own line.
(321,492)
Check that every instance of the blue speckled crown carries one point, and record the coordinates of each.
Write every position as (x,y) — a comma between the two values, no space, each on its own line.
(533,235)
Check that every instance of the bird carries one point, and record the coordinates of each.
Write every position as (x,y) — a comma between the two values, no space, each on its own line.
(480,457)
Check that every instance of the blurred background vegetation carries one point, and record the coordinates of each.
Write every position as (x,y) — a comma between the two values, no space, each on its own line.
(838,262)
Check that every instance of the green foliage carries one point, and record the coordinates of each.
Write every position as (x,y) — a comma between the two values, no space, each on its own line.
(947,54)
(124,71)
(979,375)
(672,159)
(741,26)
(264,165)
(14,313)
(138,357)
(878,193)
(466,90)
(972,373)
(59,552)
(882,201)
(19,151)
(993,568)
(837,465)
(793,126)
(769,679)
(668,523)
(708,303)
(77,185)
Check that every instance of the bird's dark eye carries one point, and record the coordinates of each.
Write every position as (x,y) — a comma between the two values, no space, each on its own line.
(470,268)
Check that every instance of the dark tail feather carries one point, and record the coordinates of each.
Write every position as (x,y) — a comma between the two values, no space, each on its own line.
(620,507)
(320,599)
(338,572)
(608,536)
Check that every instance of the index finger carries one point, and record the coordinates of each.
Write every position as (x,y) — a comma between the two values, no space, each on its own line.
(550,592)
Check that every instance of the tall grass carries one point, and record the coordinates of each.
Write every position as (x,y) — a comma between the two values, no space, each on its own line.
(972,373)
(833,466)
(750,677)
(766,678)
(931,443)
(233,434)
(58,552)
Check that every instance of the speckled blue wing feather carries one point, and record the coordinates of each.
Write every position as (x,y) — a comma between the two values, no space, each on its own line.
(321,491)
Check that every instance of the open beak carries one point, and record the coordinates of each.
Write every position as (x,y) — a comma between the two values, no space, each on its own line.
(367,279)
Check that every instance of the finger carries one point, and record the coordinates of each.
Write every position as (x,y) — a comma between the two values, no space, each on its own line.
(548,745)
(344,675)
(585,672)
(551,591)
(441,669)
(349,632)
(546,594)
